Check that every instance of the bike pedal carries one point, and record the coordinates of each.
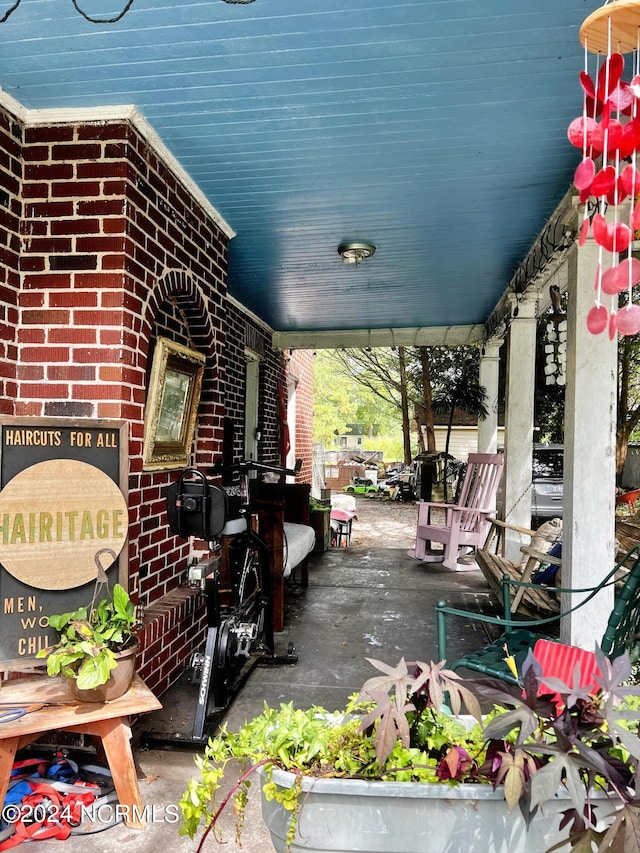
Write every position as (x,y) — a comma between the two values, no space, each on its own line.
(195,663)
(279,660)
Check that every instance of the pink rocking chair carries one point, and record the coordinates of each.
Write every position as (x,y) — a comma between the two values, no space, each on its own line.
(464,524)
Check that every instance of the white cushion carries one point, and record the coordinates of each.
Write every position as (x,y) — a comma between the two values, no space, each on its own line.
(299,540)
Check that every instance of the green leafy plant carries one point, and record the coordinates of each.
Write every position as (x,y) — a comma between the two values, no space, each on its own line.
(406,724)
(90,638)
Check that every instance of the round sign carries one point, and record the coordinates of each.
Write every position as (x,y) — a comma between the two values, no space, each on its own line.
(54,519)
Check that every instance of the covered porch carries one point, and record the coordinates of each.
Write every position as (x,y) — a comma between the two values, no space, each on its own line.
(361,602)
(260,178)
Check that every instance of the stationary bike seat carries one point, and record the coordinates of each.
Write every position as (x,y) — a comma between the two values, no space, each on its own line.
(233,526)
(235,522)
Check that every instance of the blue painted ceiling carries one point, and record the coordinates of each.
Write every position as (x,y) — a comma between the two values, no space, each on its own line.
(435,129)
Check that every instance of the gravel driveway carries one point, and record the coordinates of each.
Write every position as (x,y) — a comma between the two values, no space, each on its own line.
(383,523)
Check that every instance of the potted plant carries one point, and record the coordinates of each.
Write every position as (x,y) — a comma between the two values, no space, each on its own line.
(398,771)
(96,647)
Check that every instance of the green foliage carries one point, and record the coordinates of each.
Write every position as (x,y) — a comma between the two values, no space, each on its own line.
(628,396)
(364,386)
(398,729)
(341,397)
(88,641)
(461,392)
(390,445)
(549,399)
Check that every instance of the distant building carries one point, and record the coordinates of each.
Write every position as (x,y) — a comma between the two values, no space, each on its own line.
(464,433)
(341,466)
(353,439)
(463,441)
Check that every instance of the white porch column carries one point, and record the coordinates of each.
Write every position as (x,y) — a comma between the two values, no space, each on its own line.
(589,455)
(489,376)
(518,432)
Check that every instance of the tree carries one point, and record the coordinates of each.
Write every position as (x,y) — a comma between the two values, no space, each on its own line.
(332,401)
(384,372)
(404,406)
(433,368)
(628,415)
(341,398)
(425,364)
(461,391)
(396,380)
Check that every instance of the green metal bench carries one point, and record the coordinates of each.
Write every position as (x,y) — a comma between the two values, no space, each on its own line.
(621,634)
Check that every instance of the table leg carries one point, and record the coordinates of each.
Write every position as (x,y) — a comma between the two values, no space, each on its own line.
(8,749)
(116,739)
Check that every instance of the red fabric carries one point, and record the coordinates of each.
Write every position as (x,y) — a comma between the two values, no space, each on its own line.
(51,814)
(285,437)
(342,514)
(559,661)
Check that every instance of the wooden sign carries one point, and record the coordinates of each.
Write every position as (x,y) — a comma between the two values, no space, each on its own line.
(63,518)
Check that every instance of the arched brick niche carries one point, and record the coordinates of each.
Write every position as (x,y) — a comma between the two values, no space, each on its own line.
(178,310)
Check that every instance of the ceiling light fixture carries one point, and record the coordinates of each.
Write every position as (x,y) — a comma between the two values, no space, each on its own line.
(355,251)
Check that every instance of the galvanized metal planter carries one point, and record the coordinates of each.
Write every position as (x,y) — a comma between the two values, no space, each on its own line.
(345,815)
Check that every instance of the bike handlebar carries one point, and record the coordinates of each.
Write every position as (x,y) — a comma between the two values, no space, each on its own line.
(252,465)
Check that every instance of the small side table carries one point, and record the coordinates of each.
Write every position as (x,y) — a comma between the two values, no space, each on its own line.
(341,520)
(109,721)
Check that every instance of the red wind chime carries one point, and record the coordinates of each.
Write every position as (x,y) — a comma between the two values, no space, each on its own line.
(608,134)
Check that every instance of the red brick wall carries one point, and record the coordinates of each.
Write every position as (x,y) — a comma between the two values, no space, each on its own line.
(301,366)
(112,250)
(10,216)
(244,332)
(103,249)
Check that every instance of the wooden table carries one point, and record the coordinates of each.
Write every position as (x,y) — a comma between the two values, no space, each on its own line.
(109,721)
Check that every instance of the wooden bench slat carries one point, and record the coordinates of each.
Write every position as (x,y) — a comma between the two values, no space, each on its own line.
(533,603)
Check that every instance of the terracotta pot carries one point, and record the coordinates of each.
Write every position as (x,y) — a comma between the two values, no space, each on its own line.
(118,682)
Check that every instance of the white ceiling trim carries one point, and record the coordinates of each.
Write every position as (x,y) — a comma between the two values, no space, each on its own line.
(450,336)
(127,113)
(248,313)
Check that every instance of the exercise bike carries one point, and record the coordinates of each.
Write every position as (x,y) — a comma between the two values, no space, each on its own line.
(236,583)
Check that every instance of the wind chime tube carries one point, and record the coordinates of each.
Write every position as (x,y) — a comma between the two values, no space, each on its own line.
(616,200)
(634,161)
(603,200)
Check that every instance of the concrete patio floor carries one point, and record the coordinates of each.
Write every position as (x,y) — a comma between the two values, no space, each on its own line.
(361,602)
